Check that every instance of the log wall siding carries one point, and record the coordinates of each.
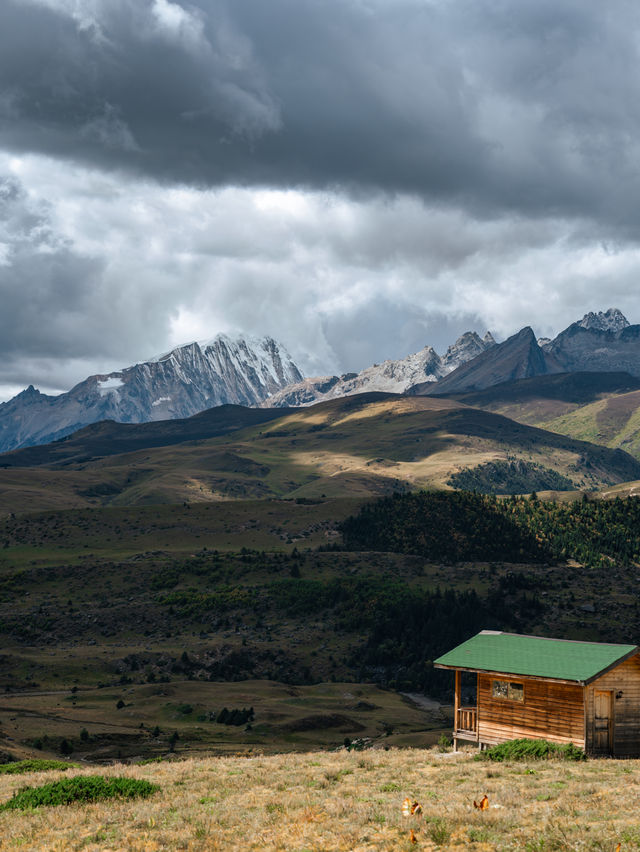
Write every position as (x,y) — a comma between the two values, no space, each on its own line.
(624,678)
(550,711)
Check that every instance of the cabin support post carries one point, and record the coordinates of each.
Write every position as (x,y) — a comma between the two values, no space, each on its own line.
(456,707)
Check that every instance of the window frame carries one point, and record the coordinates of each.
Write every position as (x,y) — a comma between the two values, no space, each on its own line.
(508,684)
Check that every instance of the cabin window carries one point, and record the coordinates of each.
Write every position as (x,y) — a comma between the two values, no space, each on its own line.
(507,689)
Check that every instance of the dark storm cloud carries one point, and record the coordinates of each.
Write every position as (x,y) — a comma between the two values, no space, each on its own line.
(57,303)
(529,106)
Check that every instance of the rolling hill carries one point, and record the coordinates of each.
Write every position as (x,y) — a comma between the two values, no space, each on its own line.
(364,445)
(603,408)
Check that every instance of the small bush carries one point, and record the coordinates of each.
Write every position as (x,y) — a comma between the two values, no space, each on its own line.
(92,788)
(524,749)
(20,767)
(439,831)
(444,743)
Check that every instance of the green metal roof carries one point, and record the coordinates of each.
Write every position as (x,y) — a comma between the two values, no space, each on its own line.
(510,653)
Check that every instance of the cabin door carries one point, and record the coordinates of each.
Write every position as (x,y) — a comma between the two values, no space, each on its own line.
(602,721)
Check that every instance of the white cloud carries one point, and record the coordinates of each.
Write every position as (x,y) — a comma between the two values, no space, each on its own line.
(341,282)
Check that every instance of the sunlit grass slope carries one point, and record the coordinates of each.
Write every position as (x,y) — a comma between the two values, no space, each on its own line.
(359,446)
(349,801)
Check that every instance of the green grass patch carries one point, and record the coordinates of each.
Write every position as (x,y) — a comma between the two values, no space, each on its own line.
(20,767)
(531,750)
(92,788)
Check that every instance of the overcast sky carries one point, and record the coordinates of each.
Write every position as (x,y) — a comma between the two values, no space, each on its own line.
(356,178)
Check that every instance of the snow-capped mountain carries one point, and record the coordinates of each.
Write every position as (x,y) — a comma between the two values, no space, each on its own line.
(259,372)
(242,370)
(388,377)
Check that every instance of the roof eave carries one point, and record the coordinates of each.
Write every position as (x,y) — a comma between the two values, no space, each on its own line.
(511,674)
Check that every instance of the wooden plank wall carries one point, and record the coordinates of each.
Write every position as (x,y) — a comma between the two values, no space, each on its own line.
(624,678)
(550,711)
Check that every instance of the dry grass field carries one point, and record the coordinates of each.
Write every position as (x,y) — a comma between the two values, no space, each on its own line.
(344,801)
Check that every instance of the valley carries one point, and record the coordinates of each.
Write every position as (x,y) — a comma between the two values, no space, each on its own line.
(178,611)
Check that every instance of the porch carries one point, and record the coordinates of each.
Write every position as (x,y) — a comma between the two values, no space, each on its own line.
(465,725)
(465,719)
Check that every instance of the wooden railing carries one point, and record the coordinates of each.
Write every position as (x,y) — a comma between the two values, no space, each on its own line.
(467,719)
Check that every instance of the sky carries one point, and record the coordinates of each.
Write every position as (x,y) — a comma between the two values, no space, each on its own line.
(356,178)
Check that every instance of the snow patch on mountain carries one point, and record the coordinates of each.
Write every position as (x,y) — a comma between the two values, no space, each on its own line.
(110,384)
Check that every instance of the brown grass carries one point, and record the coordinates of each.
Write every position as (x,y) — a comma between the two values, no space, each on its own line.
(345,801)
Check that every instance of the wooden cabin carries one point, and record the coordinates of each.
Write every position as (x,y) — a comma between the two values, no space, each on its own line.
(585,693)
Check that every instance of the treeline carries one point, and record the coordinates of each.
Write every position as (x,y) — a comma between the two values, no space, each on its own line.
(443,526)
(462,526)
(404,626)
(510,477)
(403,639)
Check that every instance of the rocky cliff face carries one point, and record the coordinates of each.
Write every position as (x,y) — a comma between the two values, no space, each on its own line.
(603,342)
(425,366)
(187,380)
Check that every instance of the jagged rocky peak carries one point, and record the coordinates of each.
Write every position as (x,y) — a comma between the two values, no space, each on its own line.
(466,347)
(611,320)
(423,367)
(238,370)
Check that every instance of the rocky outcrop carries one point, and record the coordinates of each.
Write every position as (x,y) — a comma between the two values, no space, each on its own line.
(465,349)
(603,342)
(612,320)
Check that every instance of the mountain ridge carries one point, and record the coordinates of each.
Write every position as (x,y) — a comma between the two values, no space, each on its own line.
(177,384)
(259,372)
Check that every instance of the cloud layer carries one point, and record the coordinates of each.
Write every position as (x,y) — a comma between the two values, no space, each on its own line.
(532,108)
(356,177)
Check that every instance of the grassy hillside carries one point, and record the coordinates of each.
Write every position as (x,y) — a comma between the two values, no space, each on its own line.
(358,446)
(108,438)
(344,801)
(543,398)
(602,408)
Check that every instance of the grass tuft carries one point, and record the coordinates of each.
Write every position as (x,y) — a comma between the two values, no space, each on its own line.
(20,767)
(92,788)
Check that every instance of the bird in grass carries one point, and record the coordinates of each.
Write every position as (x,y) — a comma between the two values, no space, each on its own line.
(410,808)
(483,804)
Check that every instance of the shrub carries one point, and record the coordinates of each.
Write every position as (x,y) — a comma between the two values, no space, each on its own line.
(65,747)
(444,743)
(524,749)
(92,788)
(22,766)
(439,831)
